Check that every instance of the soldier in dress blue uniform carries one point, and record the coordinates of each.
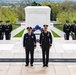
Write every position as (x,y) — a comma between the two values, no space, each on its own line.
(1,30)
(29,43)
(45,43)
(67,30)
(8,29)
(73,29)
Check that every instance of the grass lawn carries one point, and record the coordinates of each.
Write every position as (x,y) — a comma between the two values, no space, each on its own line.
(15,26)
(54,34)
(59,27)
(20,34)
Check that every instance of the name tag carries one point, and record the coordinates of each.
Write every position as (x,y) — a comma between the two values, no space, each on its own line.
(32,37)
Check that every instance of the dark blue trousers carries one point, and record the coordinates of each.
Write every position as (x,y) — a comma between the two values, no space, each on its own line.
(45,55)
(67,36)
(7,36)
(1,36)
(31,53)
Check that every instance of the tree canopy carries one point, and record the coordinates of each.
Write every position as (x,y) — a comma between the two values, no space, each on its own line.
(59,11)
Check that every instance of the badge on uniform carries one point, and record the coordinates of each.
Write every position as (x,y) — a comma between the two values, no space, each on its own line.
(8,26)
(42,34)
(32,36)
(48,35)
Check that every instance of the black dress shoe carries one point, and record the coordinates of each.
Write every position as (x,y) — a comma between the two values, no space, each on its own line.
(31,64)
(46,65)
(26,65)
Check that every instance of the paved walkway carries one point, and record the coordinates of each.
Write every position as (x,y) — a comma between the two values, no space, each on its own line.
(37,69)
(16,31)
(59,32)
(60,49)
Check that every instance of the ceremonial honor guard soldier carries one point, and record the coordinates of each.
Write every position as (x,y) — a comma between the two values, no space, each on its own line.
(73,29)
(8,29)
(67,30)
(1,30)
(45,43)
(29,43)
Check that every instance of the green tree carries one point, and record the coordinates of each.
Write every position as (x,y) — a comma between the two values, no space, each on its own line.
(6,14)
(63,16)
(55,9)
(35,4)
(20,12)
(68,12)
(68,5)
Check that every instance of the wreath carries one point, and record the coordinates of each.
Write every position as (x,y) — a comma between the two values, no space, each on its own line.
(37,27)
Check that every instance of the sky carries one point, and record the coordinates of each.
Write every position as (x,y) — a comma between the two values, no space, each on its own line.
(54,0)
(40,0)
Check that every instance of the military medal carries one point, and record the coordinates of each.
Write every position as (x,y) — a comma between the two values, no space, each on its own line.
(26,37)
(42,34)
(32,36)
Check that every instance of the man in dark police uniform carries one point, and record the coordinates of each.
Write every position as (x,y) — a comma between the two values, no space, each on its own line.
(73,29)
(45,43)
(29,43)
(67,30)
(1,30)
(8,29)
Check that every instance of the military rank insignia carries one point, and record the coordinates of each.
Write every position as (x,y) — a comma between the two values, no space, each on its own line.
(48,35)
(32,36)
